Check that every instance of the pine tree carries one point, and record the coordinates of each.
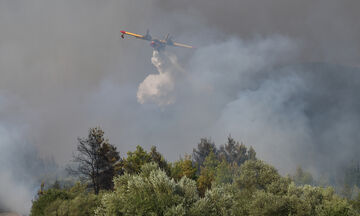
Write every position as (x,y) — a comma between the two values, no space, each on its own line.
(96,159)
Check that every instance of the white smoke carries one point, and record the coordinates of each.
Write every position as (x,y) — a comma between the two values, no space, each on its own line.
(15,192)
(54,71)
(21,167)
(14,196)
(159,88)
(270,119)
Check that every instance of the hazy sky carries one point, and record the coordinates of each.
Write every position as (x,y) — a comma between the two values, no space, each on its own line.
(320,26)
(60,60)
(64,69)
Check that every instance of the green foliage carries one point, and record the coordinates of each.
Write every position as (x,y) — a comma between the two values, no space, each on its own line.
(256,175)
(205,180)
(231,181)
(211,161)
(96,159)
(39,206)
(356,203)
(251,155)
(224,173)
(269,204)
(302,177)
(70,202)
(217,201)
(135,160)
(335,207)
(221,168)
(156,157)
(183,167)
(318,201)
(178,210)
(153,194)
(204,148)
(234,152)
(83,204)
(207,173)
(56,185)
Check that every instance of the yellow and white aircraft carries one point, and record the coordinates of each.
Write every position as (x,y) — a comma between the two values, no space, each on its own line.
(156,43)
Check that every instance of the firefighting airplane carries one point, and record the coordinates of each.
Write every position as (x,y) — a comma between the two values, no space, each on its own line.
(157,44)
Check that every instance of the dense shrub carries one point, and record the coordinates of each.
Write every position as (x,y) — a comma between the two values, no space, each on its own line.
(73,201)
(241,185)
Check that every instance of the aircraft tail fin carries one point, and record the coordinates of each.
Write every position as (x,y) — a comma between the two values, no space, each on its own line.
(147,35)
(168,39)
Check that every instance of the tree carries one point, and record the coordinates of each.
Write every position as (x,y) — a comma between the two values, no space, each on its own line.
(352,174)
(183,167)
(251,153)
(302,177)
(150,192)
(235,152)
(74,201)
(224,172)
(156,157)
(40,205)
(207,173)
(218,201)
(256,175)
(269,204)
(204,148)
(96,159)
(356,203)
(132,164)
(252,188)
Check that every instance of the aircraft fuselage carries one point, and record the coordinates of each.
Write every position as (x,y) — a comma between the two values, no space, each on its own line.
(157,45)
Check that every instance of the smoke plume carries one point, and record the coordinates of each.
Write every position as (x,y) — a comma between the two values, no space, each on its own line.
(158,88)
(21,171)
(14,193)
(64,68)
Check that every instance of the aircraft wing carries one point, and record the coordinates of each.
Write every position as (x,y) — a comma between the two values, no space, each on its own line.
(133,34)
(182,45)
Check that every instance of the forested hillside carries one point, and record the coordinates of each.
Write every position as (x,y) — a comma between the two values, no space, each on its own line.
(225,180)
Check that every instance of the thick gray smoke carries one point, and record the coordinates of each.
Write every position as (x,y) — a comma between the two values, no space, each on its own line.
(21,170)
(64,68)
(326,29)
(13,191)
